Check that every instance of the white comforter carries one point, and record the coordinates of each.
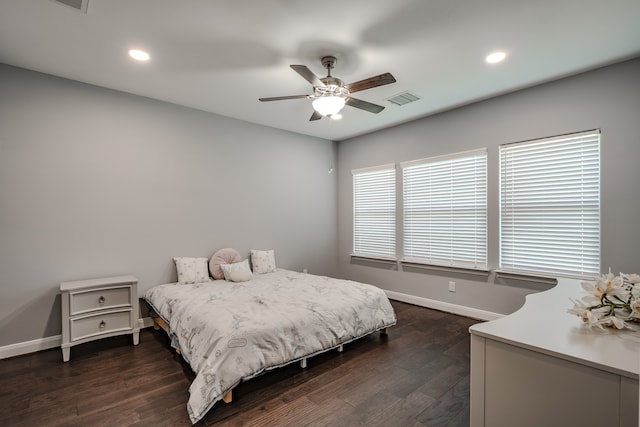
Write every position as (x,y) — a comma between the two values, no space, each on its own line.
(229,332)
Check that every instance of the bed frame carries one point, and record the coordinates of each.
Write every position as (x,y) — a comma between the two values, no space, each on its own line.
(159,323)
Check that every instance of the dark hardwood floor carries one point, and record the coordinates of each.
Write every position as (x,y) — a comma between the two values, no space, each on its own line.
(418,375)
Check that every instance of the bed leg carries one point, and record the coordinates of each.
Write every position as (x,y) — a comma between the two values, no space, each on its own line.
(384,331)
(340,348)
(303,363)
(228,397)
(156,323)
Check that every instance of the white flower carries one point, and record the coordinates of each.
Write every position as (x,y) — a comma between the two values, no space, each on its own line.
(610,300)
(580,309)
(593,321)
(635,309)
(592,317)
(614,322)
(608,284)
(590,299)
(631,278)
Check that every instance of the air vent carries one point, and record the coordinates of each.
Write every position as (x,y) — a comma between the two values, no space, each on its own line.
(403,98)
(80,5)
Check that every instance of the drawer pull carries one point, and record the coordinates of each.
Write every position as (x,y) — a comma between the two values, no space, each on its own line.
(102,324)
(101,300)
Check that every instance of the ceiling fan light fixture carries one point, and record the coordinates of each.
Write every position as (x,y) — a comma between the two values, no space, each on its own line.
(328,105)
(330,94)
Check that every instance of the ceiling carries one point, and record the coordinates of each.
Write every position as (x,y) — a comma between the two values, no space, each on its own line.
(221,56)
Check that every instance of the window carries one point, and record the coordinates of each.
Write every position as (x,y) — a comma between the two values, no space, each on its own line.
(374,212)
(445,210)
(550,205)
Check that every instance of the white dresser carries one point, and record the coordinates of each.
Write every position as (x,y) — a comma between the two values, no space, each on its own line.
(540,366)
(98,308)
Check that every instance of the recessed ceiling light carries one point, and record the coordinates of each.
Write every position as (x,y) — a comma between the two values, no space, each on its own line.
(495,57)
(139,55)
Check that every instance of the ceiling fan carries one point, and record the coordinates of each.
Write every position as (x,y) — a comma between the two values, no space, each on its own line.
(330,94)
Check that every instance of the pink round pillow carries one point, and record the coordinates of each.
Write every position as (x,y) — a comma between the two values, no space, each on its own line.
(223,256)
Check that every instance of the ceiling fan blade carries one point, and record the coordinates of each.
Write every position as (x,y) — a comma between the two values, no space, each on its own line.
(308,75)
(315,116)
(371,82)
(364,105)
(280,98)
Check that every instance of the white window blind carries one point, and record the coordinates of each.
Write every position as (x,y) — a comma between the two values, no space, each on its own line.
(550,205)
(374,212)
(445,210)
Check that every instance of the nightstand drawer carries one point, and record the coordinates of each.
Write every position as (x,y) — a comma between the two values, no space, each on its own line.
(99,324)
(99,299)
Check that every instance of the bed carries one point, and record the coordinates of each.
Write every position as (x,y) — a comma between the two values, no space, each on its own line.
(229,332)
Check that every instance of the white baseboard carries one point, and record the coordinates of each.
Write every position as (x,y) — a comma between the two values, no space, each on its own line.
(461,310)
(30,346)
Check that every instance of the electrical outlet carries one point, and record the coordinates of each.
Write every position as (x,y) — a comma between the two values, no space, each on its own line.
(452,286)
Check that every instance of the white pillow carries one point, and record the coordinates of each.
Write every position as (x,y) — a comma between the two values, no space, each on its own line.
(263,261)
(238,272)
(192,270)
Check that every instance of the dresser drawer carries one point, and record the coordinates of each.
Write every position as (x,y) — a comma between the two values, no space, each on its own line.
(102,323)
(98,299)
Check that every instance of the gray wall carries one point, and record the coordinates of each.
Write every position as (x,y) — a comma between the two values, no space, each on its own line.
(607,98)
(95,183)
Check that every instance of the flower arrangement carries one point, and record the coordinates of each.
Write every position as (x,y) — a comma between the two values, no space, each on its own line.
(612,301)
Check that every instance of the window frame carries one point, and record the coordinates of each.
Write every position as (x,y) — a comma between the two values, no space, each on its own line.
(588,143)
(389,237)
(460,203)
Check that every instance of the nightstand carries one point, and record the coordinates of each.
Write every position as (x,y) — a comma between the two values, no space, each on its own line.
(98,308)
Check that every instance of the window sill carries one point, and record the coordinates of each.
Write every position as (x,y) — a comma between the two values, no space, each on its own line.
(529,277)
(450,268)
(375,259)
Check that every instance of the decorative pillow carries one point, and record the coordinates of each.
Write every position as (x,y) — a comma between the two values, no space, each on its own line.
(223,256)
(238,272)
(191,270)
(263,261)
